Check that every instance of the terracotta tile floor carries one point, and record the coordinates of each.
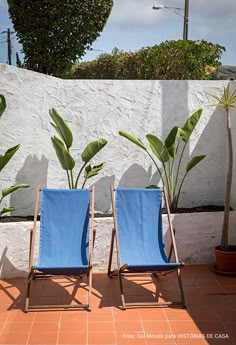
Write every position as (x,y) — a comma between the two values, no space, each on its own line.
(210,317)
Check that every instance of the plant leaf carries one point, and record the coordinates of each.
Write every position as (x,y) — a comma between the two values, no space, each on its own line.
(227,101)
(193,162)
(3,104)
(158,148)
(190,124)
(172,140)
(92,171)
(133,139)
(64,157)
(61,127)
(7,209)
(92,149)
(12,189)
(7,156)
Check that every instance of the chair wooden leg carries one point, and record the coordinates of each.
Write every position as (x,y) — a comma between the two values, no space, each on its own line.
(181,287)
(90,289)
(109,273)
(30,276)
(121,291)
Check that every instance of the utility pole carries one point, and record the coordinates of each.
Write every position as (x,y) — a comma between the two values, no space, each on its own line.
(186,15)
(9,51)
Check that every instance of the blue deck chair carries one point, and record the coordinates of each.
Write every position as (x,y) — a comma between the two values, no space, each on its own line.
(138,235)
(66,238)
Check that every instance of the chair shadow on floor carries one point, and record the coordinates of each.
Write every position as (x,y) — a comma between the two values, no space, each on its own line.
(65,290)
(105,291)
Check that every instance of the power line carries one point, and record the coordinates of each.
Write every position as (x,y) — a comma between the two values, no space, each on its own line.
(8,41)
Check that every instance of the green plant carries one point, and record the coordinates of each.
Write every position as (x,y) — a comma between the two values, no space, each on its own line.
(62,148)
(227,101)
(56,33)
(181,59)
(170,153)
(4,159)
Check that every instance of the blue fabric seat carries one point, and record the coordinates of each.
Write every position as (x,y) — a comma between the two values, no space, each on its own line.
(139,233)
(66,237)
(64,231)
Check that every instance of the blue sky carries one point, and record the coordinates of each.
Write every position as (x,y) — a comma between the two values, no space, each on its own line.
(133,24)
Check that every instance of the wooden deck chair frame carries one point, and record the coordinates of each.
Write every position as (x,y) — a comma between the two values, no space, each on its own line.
(121,270)
(37,275)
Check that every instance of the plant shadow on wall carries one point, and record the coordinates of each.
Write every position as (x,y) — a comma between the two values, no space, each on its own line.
(4,159)
(34,171)
(137,177)
(167,156)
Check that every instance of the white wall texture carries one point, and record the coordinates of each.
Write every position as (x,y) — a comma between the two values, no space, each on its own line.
(100,108)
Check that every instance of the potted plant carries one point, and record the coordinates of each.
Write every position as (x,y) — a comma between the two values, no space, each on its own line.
(226,253)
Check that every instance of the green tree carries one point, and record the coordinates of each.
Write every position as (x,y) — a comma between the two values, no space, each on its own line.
(182,59)
(55,33)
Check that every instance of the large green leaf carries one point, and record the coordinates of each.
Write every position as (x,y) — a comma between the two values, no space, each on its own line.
(7,209)
(172,140)
(91,171)
(190,124)
(66,160)
(133,139)
(158,148)
(12,189)
(2,104)
(92,149)
(61,127)
(193,162)
(7,156)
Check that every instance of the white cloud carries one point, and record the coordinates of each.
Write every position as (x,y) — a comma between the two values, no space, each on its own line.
(3,4)
(140,12)
(134,12)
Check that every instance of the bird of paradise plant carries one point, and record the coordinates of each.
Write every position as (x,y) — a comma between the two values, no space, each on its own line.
(62,147)
(4,159)
(170,154)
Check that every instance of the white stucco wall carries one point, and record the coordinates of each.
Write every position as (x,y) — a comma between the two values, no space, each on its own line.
(196,235)
(99,108)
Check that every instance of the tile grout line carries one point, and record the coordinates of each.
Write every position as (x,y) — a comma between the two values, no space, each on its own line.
(5,322)
(59,326)
(114,324)
(142,327)
(171,331)
(87,327)
(27,342)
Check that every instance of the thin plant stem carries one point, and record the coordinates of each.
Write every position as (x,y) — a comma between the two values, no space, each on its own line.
(177,173)
(83,184)
(168,182)
(77,179)
(72,180)
(224,238)
(156,167)
(180,187)
(161,176)
(68,178)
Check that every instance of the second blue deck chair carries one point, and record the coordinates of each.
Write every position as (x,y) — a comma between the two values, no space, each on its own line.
(66,238)
(138,234)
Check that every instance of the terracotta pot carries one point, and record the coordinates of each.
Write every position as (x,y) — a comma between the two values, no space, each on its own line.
(226,260)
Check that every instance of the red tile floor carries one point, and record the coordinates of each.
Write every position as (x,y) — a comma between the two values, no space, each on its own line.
(210,317)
